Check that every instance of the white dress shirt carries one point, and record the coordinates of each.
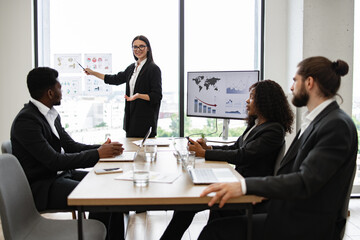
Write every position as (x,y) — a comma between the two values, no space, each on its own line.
(308,117)
(133,78)
(248,132)
(49,113)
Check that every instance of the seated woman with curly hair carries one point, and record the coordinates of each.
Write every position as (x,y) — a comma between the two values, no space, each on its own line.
(253,154)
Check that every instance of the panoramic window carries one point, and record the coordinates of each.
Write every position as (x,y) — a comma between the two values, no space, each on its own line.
(99,36)
(356,86)
(219,36)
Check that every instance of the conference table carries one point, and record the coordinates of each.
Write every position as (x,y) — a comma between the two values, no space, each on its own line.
(105,193)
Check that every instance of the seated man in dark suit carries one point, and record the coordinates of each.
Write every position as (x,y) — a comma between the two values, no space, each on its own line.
(253,154)
(311,186)
(49,156)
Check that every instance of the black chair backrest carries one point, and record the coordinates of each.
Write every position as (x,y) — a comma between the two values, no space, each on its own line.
(345,207)
(279,158)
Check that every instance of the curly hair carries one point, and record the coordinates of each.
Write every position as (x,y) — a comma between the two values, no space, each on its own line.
(272,104)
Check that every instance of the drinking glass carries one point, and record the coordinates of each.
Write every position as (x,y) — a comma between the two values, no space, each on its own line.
(151,152)
(141,173)
(181,148)
(190,160)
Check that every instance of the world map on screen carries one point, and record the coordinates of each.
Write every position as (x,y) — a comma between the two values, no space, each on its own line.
(201,82)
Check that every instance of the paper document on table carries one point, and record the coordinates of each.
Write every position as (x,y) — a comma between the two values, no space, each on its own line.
(154,177)
(124,157)
(159,142)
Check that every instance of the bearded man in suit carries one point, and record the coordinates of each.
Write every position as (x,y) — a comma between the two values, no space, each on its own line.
(308,194)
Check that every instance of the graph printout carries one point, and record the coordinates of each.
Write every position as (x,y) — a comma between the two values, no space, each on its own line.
(96,87)
(66,63)
(98,62)
(71,86)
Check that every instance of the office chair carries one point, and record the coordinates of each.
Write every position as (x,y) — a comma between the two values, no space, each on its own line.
(6,147)
(279,158)
(345,208)
(21,220)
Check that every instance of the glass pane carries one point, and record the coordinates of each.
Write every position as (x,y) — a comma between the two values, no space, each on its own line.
(99,34)
(219,36)
(356,87)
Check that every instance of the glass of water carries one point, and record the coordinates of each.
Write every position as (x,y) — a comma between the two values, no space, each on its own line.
(150,152)
(191,160)
(181,149)
(141,173)
(184,154)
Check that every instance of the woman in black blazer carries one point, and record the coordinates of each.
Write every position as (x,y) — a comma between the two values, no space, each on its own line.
(143,89)
(253,154)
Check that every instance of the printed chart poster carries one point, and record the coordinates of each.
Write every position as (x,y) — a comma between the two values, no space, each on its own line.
(67,63)
(70,86)
(99,62)
(96,87)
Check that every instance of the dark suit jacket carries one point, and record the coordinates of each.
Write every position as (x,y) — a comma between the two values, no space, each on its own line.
(309,191)
(140,114)
(39,151)
(256,155)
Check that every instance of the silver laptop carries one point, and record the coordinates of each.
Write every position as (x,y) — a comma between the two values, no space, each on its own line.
(211,175)
(127,156)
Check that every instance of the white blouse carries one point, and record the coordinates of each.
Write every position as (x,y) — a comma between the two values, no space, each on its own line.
(133,78)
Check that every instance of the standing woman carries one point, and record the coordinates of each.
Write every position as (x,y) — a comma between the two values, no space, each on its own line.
(143,89)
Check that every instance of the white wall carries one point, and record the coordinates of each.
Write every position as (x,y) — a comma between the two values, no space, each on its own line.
(16,59)
(294,29)
(276,42)
(329,31)
(299,29)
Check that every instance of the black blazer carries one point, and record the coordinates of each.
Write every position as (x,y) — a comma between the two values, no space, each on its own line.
(39,151)
(310,189)
(256,155)
(140,114)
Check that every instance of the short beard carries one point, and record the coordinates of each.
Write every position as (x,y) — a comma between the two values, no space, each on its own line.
(301,99)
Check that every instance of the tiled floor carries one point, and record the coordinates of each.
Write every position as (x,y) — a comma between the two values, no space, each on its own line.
(352,231)
(150,225)
(156,222)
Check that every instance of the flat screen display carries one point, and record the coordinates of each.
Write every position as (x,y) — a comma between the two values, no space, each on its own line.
(219,94)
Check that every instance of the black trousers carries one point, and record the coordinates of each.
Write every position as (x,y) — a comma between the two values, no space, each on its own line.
(181,220)
(65,184)
(234,228)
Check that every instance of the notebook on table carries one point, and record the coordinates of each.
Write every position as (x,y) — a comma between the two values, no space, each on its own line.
(124,157)
(127,156)
(211,175)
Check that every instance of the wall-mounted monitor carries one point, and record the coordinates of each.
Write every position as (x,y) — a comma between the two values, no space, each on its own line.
(219,94)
